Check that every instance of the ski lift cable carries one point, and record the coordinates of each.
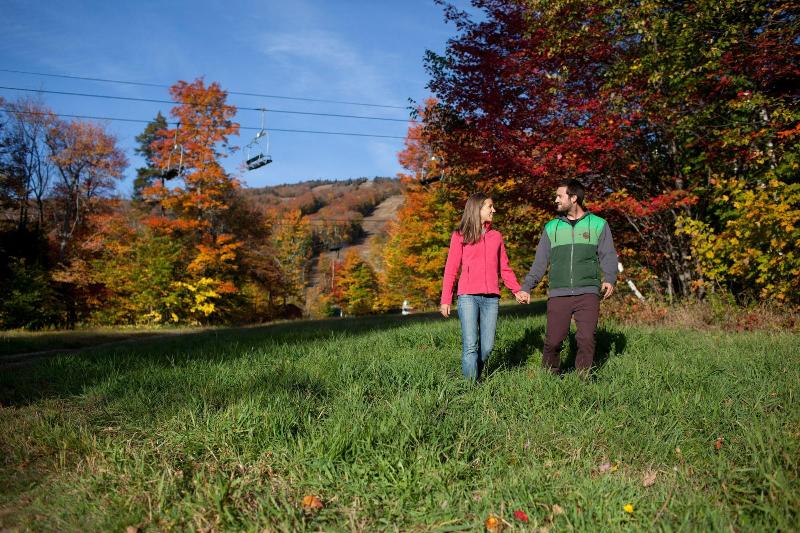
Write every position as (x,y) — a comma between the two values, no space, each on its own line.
(143,121)
(242,108)
(144,84)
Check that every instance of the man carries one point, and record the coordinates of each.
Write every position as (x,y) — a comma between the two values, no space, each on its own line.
(578,247)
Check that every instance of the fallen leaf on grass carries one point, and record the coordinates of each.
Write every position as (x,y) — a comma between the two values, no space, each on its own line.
(493,524)
(718,444)
(312,502)
(557,509)
(608,467)
(131,529)
(649,478)
(521,516)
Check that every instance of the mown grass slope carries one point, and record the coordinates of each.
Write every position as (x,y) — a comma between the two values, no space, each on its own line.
(229,429)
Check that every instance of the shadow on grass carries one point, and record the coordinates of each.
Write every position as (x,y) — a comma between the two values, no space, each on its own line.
(517,353)
(607,342)
(69,375)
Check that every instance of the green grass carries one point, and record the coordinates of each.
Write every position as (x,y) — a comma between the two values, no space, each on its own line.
(229,429)
(20,341)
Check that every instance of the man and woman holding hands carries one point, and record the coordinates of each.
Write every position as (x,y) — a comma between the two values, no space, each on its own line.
(576,247)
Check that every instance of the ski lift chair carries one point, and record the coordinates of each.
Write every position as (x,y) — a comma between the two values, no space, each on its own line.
(259,159)
(173,171)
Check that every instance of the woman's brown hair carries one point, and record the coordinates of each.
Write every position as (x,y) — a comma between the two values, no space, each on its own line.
(471,227)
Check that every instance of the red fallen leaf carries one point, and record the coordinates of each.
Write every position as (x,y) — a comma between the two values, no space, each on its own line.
(521,516)
(718,444)
(312,502)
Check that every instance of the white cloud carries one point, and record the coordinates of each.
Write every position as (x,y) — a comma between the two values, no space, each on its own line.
(321,63)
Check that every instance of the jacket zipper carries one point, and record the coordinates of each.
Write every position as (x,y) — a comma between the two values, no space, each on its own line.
(571,255)
(485,285)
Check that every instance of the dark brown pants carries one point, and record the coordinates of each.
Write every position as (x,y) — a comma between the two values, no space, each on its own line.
(560,310)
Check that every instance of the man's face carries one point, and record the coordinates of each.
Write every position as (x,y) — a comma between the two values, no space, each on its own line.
(563,200)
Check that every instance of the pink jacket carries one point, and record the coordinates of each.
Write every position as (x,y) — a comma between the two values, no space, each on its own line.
(480,263)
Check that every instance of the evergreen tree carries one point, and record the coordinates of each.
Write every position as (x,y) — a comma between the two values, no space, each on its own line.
(147,174)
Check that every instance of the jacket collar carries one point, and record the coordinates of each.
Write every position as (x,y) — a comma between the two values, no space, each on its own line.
(565,219)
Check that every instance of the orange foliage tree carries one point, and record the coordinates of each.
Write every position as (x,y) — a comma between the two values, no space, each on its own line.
(417,244)
(195,209)
(88,162)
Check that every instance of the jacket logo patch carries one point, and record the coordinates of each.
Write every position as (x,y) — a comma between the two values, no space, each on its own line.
(586,235)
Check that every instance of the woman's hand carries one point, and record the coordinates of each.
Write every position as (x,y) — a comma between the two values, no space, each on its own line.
(445,310)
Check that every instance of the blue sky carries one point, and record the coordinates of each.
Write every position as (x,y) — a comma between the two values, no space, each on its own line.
(351,50)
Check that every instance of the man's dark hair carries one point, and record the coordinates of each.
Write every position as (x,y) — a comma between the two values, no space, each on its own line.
(574,188)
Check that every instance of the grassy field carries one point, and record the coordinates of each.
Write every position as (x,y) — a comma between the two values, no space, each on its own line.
(230,429)
(20,341)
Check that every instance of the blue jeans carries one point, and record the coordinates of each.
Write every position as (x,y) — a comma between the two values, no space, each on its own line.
(478,315)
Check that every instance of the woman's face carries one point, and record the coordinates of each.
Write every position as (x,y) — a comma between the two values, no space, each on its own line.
(487,211)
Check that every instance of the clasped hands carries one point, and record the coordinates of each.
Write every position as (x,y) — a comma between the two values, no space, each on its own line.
(607,289)
(521,296)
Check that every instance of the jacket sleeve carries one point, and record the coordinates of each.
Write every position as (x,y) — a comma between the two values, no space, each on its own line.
(540,263)
(451,268)
(607,255)
(509,278)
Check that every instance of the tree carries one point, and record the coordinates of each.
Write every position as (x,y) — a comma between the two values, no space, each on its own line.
(291,240)
(88,162)
(196,209)
(356,289)
(137,271)
(755,252)
(650,101)
(146,175)
(418,241)
(205,125)
(26,157)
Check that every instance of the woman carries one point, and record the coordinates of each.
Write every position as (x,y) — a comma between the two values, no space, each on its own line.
(480,253)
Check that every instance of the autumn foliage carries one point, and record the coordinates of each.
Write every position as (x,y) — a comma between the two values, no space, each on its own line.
(681,120)
(650,106)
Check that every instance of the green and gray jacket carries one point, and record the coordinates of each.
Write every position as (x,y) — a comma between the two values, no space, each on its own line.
(577,255)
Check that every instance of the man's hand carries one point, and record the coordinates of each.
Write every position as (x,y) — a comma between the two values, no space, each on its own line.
(607,289)
(522,297)
(445,310)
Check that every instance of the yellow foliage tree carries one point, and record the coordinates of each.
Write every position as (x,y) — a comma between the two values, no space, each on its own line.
(356,286)
(756,246)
